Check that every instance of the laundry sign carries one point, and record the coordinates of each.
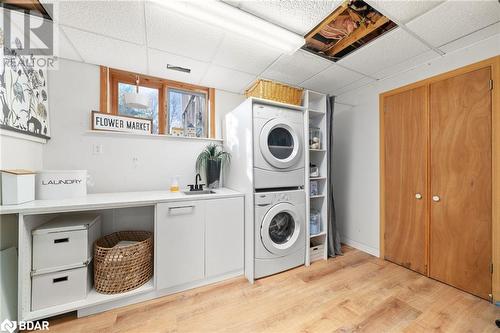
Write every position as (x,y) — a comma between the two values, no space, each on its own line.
(112,122)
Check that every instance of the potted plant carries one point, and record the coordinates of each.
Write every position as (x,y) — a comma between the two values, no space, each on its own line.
(213,159)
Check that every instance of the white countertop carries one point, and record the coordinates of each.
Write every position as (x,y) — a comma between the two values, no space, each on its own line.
(111,200)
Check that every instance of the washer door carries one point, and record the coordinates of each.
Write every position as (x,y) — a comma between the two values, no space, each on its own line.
(281,229)
(280,145)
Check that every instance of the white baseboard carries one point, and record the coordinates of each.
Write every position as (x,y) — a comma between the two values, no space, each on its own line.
(360,246)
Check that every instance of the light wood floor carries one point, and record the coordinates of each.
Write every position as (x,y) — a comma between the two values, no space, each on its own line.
(352,293)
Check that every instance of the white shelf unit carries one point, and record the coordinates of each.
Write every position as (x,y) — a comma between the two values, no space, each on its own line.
(315,116)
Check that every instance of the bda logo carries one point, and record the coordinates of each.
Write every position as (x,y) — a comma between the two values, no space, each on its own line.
(8,326)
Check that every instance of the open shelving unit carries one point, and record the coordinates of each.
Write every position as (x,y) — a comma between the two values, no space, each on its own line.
(315,117)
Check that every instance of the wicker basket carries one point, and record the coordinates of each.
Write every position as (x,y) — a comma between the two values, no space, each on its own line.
(275,91)
(118,269)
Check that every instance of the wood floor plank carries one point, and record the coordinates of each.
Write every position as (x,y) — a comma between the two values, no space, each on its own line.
(355,292)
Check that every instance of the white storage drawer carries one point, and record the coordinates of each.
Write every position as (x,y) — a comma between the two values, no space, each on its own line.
(316,252)
(64,242)
(60,287)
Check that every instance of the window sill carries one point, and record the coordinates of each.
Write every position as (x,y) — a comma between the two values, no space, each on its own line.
(149,136)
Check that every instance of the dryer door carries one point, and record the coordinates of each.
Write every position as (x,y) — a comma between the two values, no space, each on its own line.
(282,229)
(280,143)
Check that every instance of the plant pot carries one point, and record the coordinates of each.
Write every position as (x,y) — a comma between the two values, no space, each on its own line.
(213,173)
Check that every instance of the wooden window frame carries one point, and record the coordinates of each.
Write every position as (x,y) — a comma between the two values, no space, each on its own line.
(110,78)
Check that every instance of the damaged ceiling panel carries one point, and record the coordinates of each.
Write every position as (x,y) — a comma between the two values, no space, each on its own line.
(353,24)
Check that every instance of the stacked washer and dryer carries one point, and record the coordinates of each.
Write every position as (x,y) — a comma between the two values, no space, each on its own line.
(266,141)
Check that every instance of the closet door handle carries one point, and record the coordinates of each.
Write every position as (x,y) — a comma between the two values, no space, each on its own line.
(418,196)
(436,198)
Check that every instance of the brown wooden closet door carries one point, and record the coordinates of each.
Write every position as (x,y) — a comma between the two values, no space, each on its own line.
(405,164)
(460,227)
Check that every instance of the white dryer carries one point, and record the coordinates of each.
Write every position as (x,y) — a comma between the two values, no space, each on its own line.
(278,135)
(280,231)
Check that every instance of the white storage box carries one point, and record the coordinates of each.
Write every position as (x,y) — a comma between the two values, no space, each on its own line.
(61,287)
(18,186)
(61,184)
(316,252)
(65,242)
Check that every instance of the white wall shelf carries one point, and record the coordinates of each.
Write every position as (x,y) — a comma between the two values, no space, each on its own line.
(315,117)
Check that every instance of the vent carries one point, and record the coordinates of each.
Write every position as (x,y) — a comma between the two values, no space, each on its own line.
(353,24)
(179,69)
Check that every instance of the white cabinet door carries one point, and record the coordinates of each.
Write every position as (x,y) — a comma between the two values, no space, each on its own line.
(224,236)
(180,243)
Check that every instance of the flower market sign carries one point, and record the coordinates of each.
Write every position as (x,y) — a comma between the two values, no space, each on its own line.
(115,123)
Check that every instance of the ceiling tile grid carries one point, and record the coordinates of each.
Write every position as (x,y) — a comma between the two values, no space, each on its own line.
(241,54)
(100,50)
(143,37)
(390,49)
(158,61)
(454,19)
(227,79)
(403,11)
(472,38)
(122,20)
(296,68)
(330,79)
(178,34)
(299,16)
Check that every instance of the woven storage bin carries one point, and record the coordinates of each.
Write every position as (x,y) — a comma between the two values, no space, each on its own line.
(275,91)
(122,268)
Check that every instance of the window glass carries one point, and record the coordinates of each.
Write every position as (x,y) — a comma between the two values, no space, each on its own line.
(281,228)
(187,113)
(150,113)
(280,143)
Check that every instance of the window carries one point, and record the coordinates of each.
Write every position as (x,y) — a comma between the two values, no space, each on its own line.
(150,113)
(175,108)
(187,113)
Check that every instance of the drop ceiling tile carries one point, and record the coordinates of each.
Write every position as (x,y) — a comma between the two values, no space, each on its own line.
(297,16)
(180,34)
(352,86)
(296,68)
(403,11)
(455,19)
(65,49)
(407,64)
(100,50)
(392,48)
(227,79)
(118,19)
(474,37)
(330,79)
(158,61)
(241,54)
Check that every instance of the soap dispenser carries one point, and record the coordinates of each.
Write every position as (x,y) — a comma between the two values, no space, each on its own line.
(174,185)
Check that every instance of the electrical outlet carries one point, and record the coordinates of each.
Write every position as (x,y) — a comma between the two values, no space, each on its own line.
(97,149)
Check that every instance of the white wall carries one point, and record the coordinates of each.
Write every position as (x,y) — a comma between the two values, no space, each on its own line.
(128,163)
(356,144)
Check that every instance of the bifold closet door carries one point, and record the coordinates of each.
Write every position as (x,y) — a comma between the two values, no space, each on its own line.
(405,180)
(461,167)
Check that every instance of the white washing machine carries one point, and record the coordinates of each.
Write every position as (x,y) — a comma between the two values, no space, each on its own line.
(280,231)
(278,135)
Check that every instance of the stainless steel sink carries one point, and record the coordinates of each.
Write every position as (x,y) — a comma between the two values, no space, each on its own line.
(198,192)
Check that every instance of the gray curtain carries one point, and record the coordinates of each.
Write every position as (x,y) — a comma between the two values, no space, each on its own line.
(333,232)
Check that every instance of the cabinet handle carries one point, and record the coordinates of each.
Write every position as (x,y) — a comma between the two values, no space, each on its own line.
(418,196)
(436,198)
(60,279)
(61,240)
(180,210)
